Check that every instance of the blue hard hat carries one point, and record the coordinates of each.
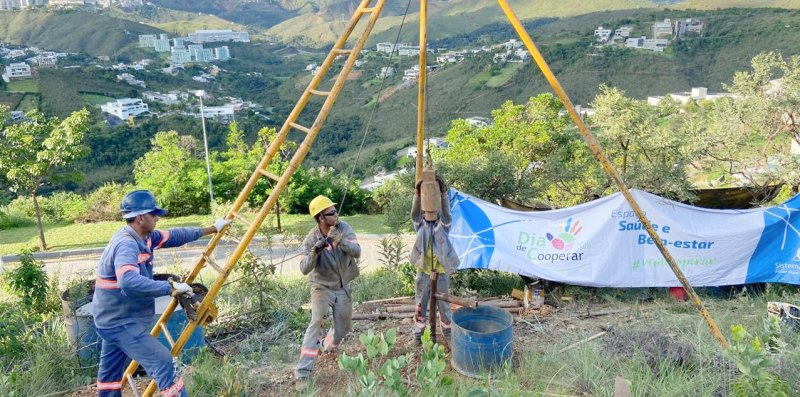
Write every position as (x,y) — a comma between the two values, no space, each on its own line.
(140,202)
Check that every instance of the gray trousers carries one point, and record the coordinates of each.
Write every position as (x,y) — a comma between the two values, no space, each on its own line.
(421,297)
(315,339)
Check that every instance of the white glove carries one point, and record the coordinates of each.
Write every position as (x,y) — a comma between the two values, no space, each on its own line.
(180,289)
(221,223)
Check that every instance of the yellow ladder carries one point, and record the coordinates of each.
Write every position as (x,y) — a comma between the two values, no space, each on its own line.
(365,10)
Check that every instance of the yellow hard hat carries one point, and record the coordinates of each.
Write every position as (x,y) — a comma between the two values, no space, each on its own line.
(318,204)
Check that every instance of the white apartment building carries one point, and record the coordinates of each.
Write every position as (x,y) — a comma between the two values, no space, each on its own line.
(222,53)
(180,56)
(386,47)
(602,34)
(210,36)
(124,108)
(147,40)
(623,32)
(696,94)
(690,25)
(222,114)
(161,45)
(16,71)
(386,71)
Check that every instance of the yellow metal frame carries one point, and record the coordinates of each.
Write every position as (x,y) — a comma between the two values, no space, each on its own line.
(364,9)
(282,181)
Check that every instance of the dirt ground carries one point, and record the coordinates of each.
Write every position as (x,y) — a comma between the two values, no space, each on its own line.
(545,325)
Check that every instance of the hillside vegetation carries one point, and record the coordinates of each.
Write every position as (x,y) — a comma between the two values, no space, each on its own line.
(449,18)
(70,31)
(733,37)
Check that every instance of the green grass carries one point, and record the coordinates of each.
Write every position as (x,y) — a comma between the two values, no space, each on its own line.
(75,236)
(29,85)
(95,99)
(506,74)
(28,102)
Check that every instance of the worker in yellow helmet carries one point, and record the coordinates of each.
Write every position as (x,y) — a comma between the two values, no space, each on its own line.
(330,259)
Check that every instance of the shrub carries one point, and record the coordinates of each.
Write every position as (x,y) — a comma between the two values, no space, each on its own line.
(103,203)
(21,207)
(11,221)
(63,207)
(29,282)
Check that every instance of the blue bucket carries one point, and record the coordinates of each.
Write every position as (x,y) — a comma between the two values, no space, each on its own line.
(83,334)
(481,340)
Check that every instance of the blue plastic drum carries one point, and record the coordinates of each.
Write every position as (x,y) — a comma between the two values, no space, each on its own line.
(481,340)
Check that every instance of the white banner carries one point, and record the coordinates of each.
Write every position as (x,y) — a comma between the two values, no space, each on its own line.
(602,243)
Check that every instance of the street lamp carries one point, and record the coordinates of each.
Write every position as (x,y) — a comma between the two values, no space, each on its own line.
(200,94)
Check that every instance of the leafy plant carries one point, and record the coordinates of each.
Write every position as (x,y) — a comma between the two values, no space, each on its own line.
(753,362)
(377,374)
(432,365)
(391,251)
(29,282)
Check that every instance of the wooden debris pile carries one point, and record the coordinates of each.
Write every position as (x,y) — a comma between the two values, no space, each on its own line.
(404,308)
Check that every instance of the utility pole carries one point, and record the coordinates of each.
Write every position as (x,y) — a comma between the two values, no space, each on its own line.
(200,94)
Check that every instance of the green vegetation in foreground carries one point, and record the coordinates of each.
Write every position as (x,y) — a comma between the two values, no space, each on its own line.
(74,236)
(29,85)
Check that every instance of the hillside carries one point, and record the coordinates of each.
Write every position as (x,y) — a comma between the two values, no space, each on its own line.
(70,31)
(454,17)
(175,21)
(474,87)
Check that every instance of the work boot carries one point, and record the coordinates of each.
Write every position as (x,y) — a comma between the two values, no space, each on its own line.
(418,339)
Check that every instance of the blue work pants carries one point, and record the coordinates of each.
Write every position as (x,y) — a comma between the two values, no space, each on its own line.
(135,342)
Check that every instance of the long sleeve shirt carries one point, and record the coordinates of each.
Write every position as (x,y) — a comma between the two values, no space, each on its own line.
(125,291)
(433,236)
(336,264)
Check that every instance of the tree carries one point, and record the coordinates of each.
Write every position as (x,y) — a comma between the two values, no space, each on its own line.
(173,171)
(651,146)
(37,150)
(527,154)
(750,135)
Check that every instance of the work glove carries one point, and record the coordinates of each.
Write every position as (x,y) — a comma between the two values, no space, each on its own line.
(335,234)
(221,223)
(320,245)
(442,185)
(179,289)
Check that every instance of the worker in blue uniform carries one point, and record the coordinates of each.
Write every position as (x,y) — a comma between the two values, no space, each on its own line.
(125,292)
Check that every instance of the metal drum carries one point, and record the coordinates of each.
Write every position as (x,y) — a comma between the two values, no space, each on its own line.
(481,340)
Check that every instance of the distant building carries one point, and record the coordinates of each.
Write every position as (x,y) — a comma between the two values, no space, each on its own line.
(17,71)
(386,47)
(147,40)
(512,44)
(386,71)
(222,114)
(602,34)
(478,121)
(45,59)
(66,3)
(622,33)
(222,53)
(211,36)
(17,116)
(663,28)
(167,99)
(161,45)
(124,108)
(180,56)
(406,50)
(696,94)
(690,25)
(178,42)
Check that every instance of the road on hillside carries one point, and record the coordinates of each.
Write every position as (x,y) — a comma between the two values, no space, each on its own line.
(286,259)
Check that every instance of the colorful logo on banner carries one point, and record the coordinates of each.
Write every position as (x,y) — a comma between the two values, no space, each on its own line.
(565,240)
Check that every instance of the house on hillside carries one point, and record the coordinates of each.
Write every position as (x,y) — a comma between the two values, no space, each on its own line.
(124,108)
(221,114)
(16,71)
(663,28)
(696,94)
(602,34)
